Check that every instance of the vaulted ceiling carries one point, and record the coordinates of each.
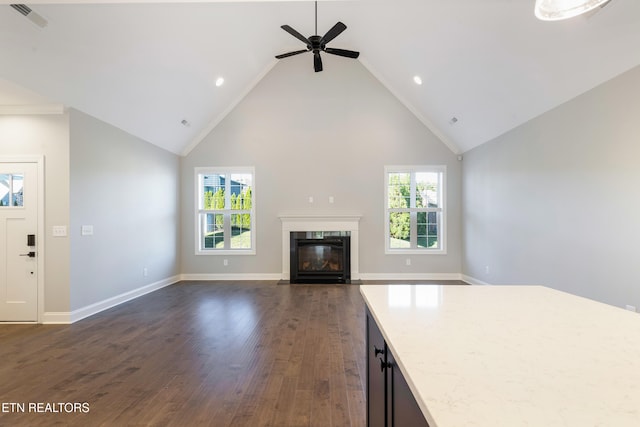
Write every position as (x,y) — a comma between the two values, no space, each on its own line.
(145,67)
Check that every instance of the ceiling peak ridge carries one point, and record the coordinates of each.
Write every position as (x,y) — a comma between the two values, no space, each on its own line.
(216,121)
(426,122)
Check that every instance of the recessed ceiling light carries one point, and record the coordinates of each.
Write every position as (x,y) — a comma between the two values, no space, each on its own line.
(219,81)
(417,80)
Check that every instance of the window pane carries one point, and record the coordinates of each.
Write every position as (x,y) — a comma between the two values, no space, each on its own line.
(427,190)
(214,231)
(399,223)
(433,240)
(427,223)
(422,230)
(240,191)
(18,181)
(11,189)
(399,190)
(240,231)
(5,185)
(213,191)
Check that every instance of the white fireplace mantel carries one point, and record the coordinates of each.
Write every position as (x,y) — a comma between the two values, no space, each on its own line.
(311,222)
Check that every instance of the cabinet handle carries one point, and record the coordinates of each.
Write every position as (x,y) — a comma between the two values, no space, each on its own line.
(384,365)
(377,351)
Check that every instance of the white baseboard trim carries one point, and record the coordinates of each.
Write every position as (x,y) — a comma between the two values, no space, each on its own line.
(56,318)
(361,276)
(92,309)
(410,276)
(473,281)
(232,276)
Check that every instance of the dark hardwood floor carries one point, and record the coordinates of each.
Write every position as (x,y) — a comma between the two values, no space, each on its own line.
(196,353)
(192,354)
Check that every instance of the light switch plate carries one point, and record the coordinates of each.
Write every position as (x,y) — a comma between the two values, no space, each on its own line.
(59,231)
(87,230)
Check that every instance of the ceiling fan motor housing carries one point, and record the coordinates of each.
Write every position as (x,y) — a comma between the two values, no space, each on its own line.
(316,46)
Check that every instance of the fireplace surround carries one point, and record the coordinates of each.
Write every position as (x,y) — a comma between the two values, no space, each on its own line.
(314,222)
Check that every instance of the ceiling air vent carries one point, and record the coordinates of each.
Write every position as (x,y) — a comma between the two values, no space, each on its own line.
(32,16)
(22,8)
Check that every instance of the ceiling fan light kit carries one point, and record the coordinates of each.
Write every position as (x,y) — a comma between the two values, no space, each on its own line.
(317,44)
(555,10)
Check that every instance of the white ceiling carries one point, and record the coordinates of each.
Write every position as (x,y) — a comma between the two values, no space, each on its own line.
(146,66)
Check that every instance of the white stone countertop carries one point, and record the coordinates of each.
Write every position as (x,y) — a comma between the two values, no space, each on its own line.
(510,356)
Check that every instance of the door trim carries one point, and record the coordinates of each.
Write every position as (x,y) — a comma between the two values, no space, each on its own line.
(41,231)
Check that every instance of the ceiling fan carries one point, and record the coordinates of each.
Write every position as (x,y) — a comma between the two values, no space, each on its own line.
(317,44)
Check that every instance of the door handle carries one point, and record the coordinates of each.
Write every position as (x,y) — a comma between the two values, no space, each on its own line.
(30,254)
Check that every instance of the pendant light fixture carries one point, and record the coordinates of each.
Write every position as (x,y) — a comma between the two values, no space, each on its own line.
(555,10)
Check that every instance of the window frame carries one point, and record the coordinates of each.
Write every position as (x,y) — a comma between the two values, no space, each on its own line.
(199,172)
(441,210)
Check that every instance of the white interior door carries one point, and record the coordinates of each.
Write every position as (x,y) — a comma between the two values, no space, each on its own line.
(18,253)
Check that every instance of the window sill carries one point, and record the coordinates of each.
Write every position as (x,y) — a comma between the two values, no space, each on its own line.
(227,252)
(388,251)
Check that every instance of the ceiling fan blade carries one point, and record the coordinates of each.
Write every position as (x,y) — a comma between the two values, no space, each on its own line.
(296,34)
(286,55)
(333,33)
(317,62)
(342,52)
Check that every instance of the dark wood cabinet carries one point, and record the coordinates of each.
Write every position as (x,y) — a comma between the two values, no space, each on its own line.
(390,402)
(376,376)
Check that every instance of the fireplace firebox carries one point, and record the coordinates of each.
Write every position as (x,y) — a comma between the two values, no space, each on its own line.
(320,257)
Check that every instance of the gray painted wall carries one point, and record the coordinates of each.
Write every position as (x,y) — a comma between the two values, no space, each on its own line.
(320,134)
(127,189)
(48,136)
(555,201)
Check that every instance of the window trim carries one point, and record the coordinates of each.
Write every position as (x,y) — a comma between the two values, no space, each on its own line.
(198,171)
(441,169)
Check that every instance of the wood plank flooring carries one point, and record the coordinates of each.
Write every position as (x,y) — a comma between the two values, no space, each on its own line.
(191,354)
(195,354)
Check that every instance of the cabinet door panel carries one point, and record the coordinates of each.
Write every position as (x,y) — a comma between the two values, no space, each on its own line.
(376,377)
(404,408)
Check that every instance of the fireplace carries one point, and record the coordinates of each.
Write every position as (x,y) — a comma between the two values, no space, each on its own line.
(347,223)
(320,257)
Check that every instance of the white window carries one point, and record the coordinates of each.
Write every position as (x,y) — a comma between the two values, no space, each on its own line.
(415,209)
(225,211)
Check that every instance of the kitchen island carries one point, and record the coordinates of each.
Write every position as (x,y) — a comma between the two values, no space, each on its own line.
(488,356)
